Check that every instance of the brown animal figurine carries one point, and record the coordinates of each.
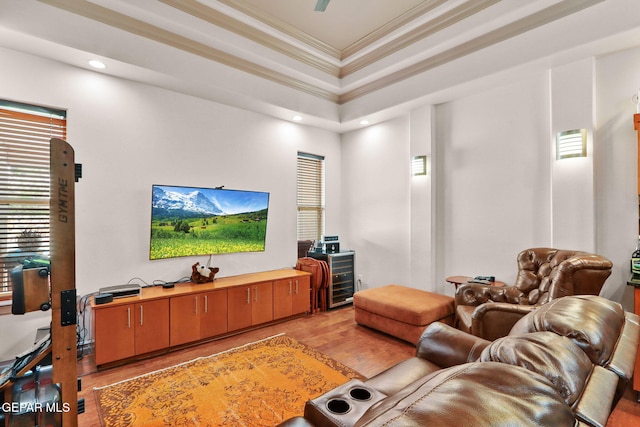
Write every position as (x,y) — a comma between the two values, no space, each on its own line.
(202,274)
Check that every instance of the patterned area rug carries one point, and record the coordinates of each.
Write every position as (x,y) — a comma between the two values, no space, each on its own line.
(259,384)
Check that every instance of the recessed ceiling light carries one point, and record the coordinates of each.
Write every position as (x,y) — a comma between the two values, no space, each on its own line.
(364,122)
(97,64)
(297,118)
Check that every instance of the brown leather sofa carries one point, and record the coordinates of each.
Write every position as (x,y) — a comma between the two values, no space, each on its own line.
(544,274)
(564,364)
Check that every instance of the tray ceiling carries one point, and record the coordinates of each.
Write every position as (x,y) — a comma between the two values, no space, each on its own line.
(278,57)
(342,24)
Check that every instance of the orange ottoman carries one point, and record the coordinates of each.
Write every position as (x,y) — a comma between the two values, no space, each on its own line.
(401,311)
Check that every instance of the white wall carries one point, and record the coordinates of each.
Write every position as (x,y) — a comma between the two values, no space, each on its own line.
(572,180)
(376,202)
(129,136)
(493,192)
(423,206)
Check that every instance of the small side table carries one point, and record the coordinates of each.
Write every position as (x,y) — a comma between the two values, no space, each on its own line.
(459,280)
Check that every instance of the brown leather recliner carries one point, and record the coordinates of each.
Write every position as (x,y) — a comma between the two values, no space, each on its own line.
(544,274)
(564,364)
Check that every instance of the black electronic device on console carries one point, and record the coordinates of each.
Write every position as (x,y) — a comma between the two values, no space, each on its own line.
(103,298)
(120,291)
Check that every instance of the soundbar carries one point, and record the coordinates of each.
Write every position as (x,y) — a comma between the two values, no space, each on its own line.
(120,291)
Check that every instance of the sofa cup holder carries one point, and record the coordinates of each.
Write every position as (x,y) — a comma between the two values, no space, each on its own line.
(338,406)
(359,393)
(346,402)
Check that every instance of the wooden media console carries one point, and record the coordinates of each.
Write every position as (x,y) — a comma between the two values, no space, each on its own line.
(159,319)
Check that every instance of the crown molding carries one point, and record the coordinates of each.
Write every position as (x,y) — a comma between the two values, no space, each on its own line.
(390,27)
(106,16)
(425,30)
(542,17)
(109,17)
(293,32)
(283,27)
(219,19)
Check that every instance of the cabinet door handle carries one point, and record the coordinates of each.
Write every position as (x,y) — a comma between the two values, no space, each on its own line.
(248,295)
(290,287)
(256,296)
(196,301)
(141,316)
(128,317)
(206,303)
(297,287)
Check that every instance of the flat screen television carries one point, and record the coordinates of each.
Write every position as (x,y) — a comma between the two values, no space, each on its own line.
(190,221)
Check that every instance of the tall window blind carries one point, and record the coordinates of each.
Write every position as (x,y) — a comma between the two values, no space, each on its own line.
(25,132)
(310,189)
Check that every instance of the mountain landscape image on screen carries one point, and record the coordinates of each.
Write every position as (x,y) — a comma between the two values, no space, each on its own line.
(187,221)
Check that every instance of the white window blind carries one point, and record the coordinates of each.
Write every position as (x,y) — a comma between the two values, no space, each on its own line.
(25,132)
(310,190)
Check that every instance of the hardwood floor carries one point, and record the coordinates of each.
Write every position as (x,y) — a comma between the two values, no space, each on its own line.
(333,333)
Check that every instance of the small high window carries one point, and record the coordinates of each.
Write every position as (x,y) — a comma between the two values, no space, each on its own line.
(310,191)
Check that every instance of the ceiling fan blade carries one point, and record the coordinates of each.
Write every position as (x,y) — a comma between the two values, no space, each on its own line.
(321,5)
